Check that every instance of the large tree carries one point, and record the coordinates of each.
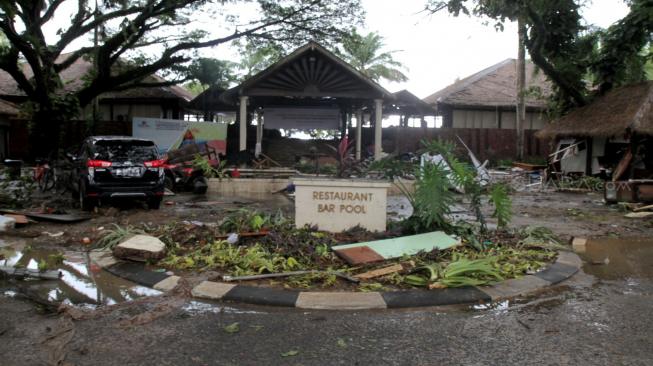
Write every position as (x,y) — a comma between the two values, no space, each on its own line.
(365,53)
(256,57)
(207,72)
(581,61)
(140,37)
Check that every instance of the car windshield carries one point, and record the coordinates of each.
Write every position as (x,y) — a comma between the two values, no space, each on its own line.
(125,150)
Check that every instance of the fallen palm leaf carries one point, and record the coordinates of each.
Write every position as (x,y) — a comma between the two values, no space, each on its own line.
(290,353)
(232,328)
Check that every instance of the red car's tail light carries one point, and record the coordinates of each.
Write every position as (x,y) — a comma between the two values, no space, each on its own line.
(98,164)
(155,163)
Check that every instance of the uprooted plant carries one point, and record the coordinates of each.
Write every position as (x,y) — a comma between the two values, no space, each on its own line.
(392,167)
(461,272)
(507,257)
(208,170)
(112,237)
(278,247)
(434,191)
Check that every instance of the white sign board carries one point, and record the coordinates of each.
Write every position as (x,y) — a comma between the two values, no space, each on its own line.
(302,118)
(336,205)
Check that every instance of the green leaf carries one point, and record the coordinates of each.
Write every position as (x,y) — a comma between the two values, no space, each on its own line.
(232,328)
(416,280)
(502,204)
(290,353)
(341,343)
(42,266)
(257,222)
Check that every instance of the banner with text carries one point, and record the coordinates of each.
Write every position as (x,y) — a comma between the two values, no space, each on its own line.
(170,134)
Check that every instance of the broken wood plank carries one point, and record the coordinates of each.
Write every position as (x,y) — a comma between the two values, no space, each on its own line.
(373,251)
(624,163)
(644,208)
(380,272)
(638,215)
(20,219)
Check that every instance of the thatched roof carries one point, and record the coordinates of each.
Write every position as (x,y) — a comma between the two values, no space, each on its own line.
(73,78)
(310,71)
(213,99)
(495,86)
(407,103)
(628,108)
(7,108)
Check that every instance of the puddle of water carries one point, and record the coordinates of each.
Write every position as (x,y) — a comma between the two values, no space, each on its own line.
(614,259)
(80,283)
(399,208)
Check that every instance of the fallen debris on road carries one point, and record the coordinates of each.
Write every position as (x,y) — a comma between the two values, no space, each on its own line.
(30,273)
(287,274)
(380,272)
(140,248)
(373,251)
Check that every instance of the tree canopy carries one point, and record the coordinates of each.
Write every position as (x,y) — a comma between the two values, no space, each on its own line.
(581,61)
(137,38)
(365,54)
(212,72)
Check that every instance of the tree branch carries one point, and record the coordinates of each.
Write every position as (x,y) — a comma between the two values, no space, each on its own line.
(9,63)
(535,44)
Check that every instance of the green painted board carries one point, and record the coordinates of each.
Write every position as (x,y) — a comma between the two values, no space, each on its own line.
(406,245)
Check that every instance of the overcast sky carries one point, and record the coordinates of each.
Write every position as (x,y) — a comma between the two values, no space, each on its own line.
(436,49)
(439,48)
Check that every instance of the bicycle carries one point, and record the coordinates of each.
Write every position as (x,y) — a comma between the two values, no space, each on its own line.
(43,175)
(49,176)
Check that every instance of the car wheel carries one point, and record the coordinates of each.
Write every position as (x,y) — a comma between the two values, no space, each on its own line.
(85,203)
(154,203)
(169,183)
(200,185)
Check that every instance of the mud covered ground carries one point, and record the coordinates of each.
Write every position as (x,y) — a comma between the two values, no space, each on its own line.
(567,214)
(602,316)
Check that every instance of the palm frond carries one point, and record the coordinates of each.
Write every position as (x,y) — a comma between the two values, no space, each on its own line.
(502,204)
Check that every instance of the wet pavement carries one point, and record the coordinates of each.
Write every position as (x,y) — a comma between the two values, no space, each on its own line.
(81,282)
(628,259)
(602,316)
(85,284)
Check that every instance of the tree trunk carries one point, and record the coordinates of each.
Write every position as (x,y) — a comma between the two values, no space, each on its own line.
(45,135)
(521,89)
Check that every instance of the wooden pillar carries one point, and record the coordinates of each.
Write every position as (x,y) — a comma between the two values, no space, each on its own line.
(242,146)
(378,128)
(359,133)
(588,149)
(343,123)
(259,134)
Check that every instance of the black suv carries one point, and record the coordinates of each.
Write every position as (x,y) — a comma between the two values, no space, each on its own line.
(118,167)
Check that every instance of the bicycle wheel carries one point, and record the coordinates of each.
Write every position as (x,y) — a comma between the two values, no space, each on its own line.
(48,181)
(38,177)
